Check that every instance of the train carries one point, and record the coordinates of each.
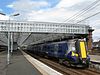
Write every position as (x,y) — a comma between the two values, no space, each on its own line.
(72,52)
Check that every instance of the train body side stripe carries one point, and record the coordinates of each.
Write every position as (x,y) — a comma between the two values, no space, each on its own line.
(83,49)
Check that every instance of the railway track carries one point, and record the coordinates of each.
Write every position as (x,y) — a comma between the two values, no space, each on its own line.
(66,70)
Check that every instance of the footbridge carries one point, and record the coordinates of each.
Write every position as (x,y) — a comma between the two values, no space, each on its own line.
(31,32)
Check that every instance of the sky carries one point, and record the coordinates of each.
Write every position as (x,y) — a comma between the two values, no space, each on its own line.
(53,11)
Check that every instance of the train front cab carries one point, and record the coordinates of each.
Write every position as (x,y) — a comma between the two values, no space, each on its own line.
(78,57)
(81,49)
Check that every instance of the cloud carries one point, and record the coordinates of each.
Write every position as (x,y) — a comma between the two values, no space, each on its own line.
(96,24)
(2,17)
(55,15)
(27,5)
(59,13)
(96,35)
(24,7)
(67,3)
(10,6)
(36,10)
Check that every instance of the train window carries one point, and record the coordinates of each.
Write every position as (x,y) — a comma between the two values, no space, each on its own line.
(73,46)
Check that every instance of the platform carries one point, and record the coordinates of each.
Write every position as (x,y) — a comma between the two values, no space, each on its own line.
(3,66)
(18,65)
(44,69)
(23,64)
(95,58)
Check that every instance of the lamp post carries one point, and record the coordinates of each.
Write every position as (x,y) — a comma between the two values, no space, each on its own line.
(8,52)
(8,55)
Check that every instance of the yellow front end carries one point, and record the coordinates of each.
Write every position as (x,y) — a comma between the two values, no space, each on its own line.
(83,49)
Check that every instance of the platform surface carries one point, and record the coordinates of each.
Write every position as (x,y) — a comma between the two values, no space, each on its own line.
(18,65)
(95,58)
(3,67)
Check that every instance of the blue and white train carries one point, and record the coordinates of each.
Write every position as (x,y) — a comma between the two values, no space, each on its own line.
(71,52)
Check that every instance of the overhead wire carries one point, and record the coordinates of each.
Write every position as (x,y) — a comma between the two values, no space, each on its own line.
(89,17)
(83,11)
(87,11)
